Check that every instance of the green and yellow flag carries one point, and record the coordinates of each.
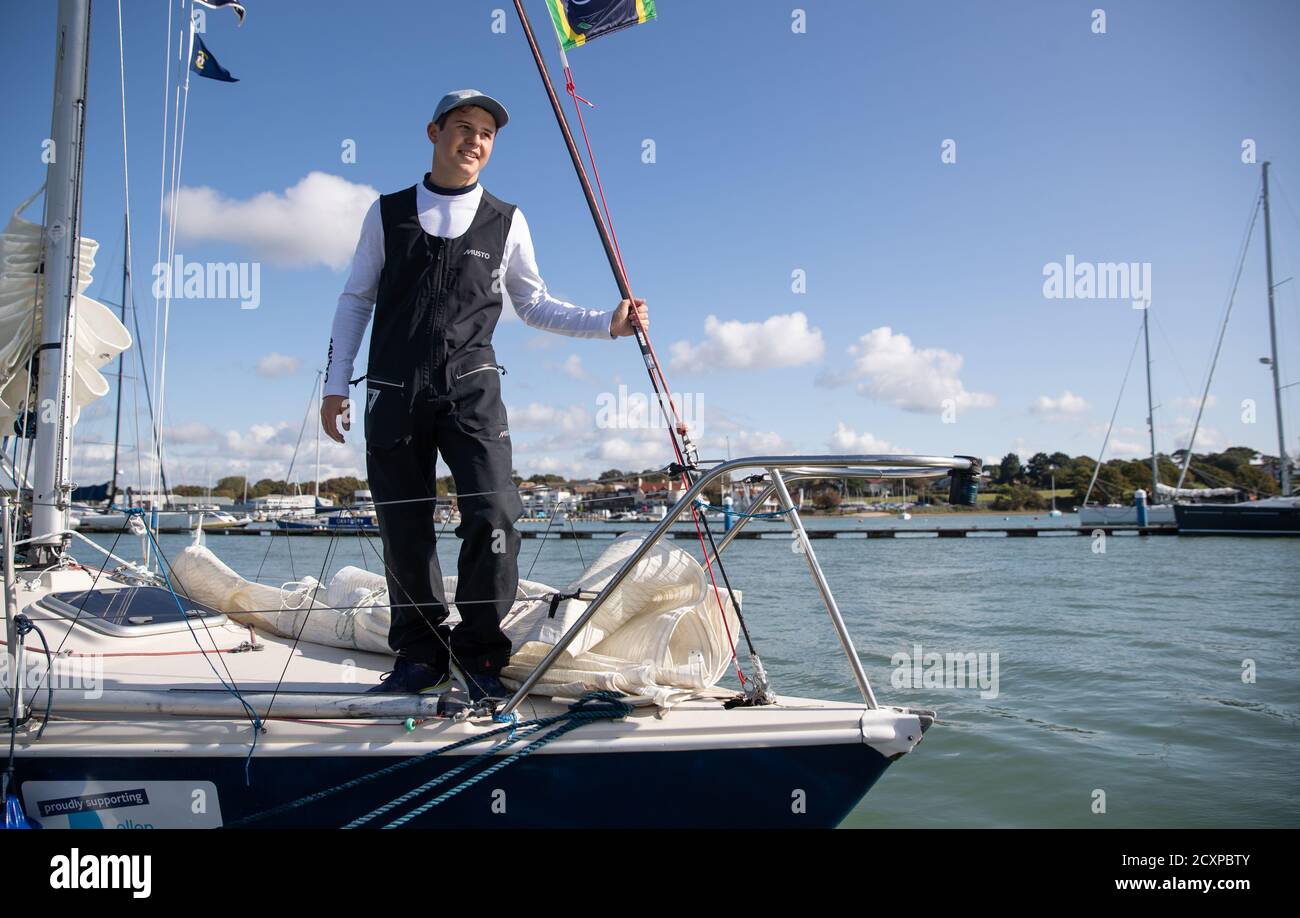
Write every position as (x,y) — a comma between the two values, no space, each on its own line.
(579,21)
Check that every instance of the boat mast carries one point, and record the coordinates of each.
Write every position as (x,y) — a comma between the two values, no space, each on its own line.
(1272,335)
(62,250)
(1151,412)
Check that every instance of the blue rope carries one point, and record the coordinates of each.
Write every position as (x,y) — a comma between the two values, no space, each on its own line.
(434,782)
(512,718)
(583,711)
(491,770)
(364,779)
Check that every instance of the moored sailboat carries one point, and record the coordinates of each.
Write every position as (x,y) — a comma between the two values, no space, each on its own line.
(177,694)
(1272,516)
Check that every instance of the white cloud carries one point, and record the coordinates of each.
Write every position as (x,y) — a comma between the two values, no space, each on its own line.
(890,368)
(1192,402)
(542,341)
(528,465)
(262,441)
(1127,449)
(625,453)
(1208,439)
(96,453)
(189,432)
(199,454)
(572,367)
(746,443)
(315,222)
(779,341)
(846,440)
(1126,442)
(537,416)
(276,364)
(1067,405)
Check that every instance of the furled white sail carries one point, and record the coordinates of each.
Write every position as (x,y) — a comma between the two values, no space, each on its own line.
(1165,490)
(99,336)
(658,636)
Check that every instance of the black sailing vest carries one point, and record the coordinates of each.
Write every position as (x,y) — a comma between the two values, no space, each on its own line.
(437,305)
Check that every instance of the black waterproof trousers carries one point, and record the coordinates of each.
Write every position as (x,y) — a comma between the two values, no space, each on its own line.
(467,425)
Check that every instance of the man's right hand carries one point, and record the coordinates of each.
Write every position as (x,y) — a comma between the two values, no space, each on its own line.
(330,409)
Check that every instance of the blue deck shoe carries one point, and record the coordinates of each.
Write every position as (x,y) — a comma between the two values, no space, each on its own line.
(483,685)
(411,678)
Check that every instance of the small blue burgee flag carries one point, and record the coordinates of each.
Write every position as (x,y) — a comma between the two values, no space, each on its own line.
(204,64)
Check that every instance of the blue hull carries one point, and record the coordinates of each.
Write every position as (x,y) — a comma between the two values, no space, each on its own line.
(736,788)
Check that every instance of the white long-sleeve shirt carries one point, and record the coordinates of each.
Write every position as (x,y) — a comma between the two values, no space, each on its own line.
(449,215)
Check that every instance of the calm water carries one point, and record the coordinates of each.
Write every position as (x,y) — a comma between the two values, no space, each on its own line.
(1118,671)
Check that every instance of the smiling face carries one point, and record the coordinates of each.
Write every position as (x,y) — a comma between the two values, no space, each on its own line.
(462,145)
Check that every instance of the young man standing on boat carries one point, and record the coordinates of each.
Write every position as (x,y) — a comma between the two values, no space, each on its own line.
(432,262)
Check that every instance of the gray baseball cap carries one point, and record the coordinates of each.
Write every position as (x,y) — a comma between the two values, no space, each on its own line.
(460,97)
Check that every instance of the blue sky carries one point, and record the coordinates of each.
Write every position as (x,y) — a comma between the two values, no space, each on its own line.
(775,151)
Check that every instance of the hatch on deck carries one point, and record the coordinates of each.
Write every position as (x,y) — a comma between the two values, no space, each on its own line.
(132,611)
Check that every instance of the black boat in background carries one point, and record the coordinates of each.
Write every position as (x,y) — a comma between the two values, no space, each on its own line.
(1272,516)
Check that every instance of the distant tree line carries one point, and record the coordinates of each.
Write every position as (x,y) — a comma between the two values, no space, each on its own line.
(1017,484)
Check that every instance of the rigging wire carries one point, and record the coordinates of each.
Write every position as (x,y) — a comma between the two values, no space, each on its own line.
(1096,469)
(1223,329)
(162,209)
(178,162)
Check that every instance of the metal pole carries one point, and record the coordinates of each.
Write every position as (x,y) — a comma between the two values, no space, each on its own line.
(1151,412)
(802,463)
(641,550)
(62,255)
(620,278)
(755,503)
(11,600)
(841,631)
(1272,336)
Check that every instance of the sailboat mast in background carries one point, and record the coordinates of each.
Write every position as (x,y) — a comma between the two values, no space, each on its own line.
(1151,411)
(1283,461)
